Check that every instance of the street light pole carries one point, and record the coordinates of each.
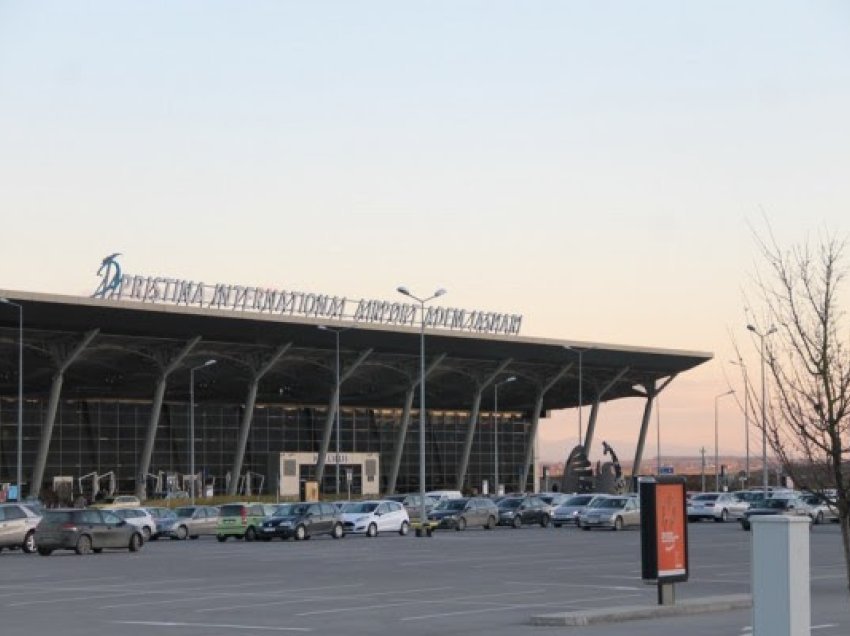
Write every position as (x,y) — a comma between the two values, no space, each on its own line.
(716,441)
(20,307)
(496,431)
(421,301)
(580,353)
(336,333)
(208,363)
(772,330)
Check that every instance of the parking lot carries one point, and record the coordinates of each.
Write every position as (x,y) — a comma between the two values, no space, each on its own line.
(472,582)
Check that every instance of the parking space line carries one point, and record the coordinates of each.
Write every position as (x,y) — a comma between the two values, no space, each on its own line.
(268,628)
(621,588)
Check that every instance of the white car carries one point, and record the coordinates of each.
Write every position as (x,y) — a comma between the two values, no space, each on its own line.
(570,510)
(720,506)
(17,527)
(372,517)
(138,517)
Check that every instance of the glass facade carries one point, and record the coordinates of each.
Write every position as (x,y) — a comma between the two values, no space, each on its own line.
(103,436)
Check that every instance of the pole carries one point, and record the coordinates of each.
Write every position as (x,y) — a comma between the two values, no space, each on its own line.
(496,438)
(717,440)
(658,435)
(764,475)
(702,471)
(580,397)
(336,408)
(192,433)
(422,518)
(747,425)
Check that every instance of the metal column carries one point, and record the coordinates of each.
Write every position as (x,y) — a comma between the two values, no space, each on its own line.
(535,419)
(652,391)
(594,411)
(156,407)
(329,421)
(463,465)
(398,451)
(248,416)
(52,408)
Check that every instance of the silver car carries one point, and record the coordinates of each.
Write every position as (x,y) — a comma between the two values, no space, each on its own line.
(615,512)
(570,510)
(820,509)
(17,527)
(720,506)
(194,521)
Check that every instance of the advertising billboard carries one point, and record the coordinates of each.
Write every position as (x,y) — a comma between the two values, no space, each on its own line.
(664,529)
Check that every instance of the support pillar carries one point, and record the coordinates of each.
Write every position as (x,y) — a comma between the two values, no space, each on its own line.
(329,421)
(591,426)
(52,408)
(644,426)
(153,422)
(398,451)
(463,465)
(535,419)
(248,417)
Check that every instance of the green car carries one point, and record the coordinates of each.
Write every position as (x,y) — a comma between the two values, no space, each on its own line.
(242,520)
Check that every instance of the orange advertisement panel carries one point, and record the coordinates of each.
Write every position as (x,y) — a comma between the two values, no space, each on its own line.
(670,518)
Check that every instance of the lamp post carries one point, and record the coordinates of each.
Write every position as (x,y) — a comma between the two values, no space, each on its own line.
(716,441)
(421,301)
(336,333)
(496,431)
(20,307)
(208,363)
(762,336)
(740,363)
(580,352)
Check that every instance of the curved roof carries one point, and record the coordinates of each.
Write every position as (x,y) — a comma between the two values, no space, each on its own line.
(135,342)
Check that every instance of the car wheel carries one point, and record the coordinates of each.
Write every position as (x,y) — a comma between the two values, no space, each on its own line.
(461,524)
(517,522)
(136,542)
(83,545)
(29,542)
(182,533)
(337,532)
(618,523)
(45,551)
(544,521)
(146,534)
(300,533)
(491,523)
(250,534)
(405,528)
(723,518)
(221,538)
(819,518)
(372,531)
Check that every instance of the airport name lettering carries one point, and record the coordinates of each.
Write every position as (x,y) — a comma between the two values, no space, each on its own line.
(187,293)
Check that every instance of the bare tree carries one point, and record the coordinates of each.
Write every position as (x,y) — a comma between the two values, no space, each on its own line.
(808,362)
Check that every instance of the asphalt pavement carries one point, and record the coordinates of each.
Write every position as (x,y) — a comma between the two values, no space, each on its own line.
(472,582)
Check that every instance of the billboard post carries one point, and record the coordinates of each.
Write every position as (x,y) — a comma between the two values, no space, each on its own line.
(664,534)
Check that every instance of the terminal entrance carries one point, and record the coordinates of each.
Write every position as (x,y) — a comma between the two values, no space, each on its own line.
(362,469)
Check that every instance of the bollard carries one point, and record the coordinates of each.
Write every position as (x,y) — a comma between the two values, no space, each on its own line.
(780,576)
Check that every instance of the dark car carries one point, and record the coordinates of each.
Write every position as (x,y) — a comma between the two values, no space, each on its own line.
(462,513)
(519,511)
(791,506)
(165,520)
(302,521)
(84,531)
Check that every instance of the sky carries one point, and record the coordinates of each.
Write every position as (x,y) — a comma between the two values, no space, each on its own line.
(595,166)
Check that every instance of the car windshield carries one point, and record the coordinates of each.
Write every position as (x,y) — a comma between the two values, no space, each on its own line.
(608,502)
(451,504)
(510,503)
(581,500)
(705,498)
(185,512)
(361,507)
(291,510)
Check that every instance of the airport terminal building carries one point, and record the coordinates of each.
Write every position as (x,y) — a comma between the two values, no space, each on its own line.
(107,384)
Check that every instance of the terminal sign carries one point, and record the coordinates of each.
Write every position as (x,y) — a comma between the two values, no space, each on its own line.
(116,285)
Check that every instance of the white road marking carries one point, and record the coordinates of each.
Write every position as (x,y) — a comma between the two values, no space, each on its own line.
(214,626)
(824,626)
(615,588)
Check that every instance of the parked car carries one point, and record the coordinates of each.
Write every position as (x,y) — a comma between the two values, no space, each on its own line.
(195,521)
(568,512)
(720,506)
(164,518)
(553,500)
(242,520)
(372,517)
(304,520)
(85,530)
(138,517)
(17,527)
(462,513)
(615,512)
(413,508)
(439,495)
(820,508)
(790,505)
(121,501)
(519,511)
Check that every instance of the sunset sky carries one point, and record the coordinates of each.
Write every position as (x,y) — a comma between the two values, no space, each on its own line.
(595,166)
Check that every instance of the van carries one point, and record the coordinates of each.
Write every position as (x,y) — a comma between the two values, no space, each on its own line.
(439,495)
